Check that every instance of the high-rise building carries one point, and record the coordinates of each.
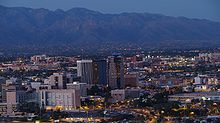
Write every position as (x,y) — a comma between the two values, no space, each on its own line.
(115,72)
(84,70)
(100,72)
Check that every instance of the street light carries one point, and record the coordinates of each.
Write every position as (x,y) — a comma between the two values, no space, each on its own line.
(192,113)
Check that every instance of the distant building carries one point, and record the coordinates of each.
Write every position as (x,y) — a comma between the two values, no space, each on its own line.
(118,95)
(100,72)
(210,57)
(213,80)
(131,79)
(58,80)
(39,86)
(188,97)
(82,87)
(84,70)
(201,79)
(131,93)
(8,88)
(115,72)
(187,89)
(63,99)
(204,88)
(169,81)
(38,58)
(2,81)
(205,56)
(14,98)
(31,67)
(122,94)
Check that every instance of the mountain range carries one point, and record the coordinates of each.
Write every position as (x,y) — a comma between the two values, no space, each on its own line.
(80,27)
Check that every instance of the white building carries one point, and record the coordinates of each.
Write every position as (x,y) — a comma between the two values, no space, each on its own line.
(64,99)
(84,70)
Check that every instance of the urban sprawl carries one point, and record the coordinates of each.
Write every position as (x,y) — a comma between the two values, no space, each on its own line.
(117,88)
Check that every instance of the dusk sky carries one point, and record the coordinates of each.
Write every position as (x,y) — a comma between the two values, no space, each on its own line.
(205,9)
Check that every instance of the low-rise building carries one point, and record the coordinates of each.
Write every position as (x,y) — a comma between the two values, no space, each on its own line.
(16,98)
(64,99)
(131,79)
(122,94)
(82,87)
(188,97)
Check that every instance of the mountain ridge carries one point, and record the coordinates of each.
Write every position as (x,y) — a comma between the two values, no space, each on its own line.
(26,26)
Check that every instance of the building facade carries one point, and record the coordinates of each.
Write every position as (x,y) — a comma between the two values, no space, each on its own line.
(64,99)
(115,72)
(84,70)
(58,80)
(100,72)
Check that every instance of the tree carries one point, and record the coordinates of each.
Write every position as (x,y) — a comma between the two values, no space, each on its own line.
(94,91)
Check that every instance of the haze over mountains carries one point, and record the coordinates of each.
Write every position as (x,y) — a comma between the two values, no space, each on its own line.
(80,27)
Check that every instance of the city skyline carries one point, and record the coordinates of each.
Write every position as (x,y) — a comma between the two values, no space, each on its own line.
(110,61)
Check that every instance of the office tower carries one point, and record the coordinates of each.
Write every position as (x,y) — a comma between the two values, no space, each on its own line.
(84,70)
(100,72)
(115,72)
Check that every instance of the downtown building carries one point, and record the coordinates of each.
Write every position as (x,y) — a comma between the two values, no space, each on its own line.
(84,70)
(55,93)
(62,99)
(14,96)
(58,80)
(100,72)
(115,72)
(127,93)
(92,71)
